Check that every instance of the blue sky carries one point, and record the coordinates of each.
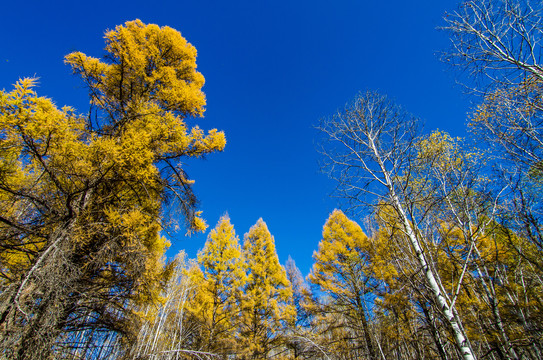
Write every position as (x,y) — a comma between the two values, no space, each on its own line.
(272,69)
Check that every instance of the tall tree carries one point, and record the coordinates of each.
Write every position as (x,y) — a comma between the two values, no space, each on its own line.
(341,272)
(82,197)
(499,44)
(404,319)
(223,278)
(370,149)
(266,306)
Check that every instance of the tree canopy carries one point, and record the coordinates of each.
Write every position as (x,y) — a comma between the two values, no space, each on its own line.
(83,195)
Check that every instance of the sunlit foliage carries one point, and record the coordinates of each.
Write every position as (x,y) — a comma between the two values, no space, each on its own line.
(267,303)
(82,196)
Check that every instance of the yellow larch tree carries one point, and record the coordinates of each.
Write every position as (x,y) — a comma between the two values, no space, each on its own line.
(267,303)
(342,272)
(82,196)
(222,280)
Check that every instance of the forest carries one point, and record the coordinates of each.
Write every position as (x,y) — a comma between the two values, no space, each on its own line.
(436,252)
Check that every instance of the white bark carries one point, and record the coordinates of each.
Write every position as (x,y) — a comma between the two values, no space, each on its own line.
(460,337)
(376,145)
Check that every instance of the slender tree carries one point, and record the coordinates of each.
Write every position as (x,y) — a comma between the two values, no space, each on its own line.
(341,272)
(223,279)
(370,149)
(168,331)
(302,298)
(267,304)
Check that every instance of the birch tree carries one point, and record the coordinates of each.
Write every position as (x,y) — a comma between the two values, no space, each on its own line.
(166,331)
(498,44)
(370,151)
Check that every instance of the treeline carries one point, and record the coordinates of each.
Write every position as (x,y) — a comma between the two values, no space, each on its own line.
(449,266)
(366,297)
(234,301)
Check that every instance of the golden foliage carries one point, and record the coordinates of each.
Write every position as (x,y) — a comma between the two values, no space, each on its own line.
(267,303)
(89,190)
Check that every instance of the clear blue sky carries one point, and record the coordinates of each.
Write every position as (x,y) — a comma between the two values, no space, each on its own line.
(272,69)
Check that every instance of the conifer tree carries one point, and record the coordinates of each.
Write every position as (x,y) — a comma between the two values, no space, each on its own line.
(301,293)
(223,277)
(266,305)
(341,272)
(82,196)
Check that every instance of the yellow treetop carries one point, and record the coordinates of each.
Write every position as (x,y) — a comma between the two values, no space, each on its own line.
(342,271)
(222,280)
(221,257)
(145,64)
(141,92)
(339,262)
(267,304)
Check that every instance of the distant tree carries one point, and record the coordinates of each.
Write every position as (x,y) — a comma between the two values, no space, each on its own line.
(266,307)
(302,299)
(82,197)
(301,292)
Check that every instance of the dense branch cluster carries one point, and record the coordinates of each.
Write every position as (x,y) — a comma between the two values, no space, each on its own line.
(82,197)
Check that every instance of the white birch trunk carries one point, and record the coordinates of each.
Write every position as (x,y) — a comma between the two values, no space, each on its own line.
(459,335)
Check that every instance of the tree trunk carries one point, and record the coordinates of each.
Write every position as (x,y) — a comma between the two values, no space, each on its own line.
(459,335)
